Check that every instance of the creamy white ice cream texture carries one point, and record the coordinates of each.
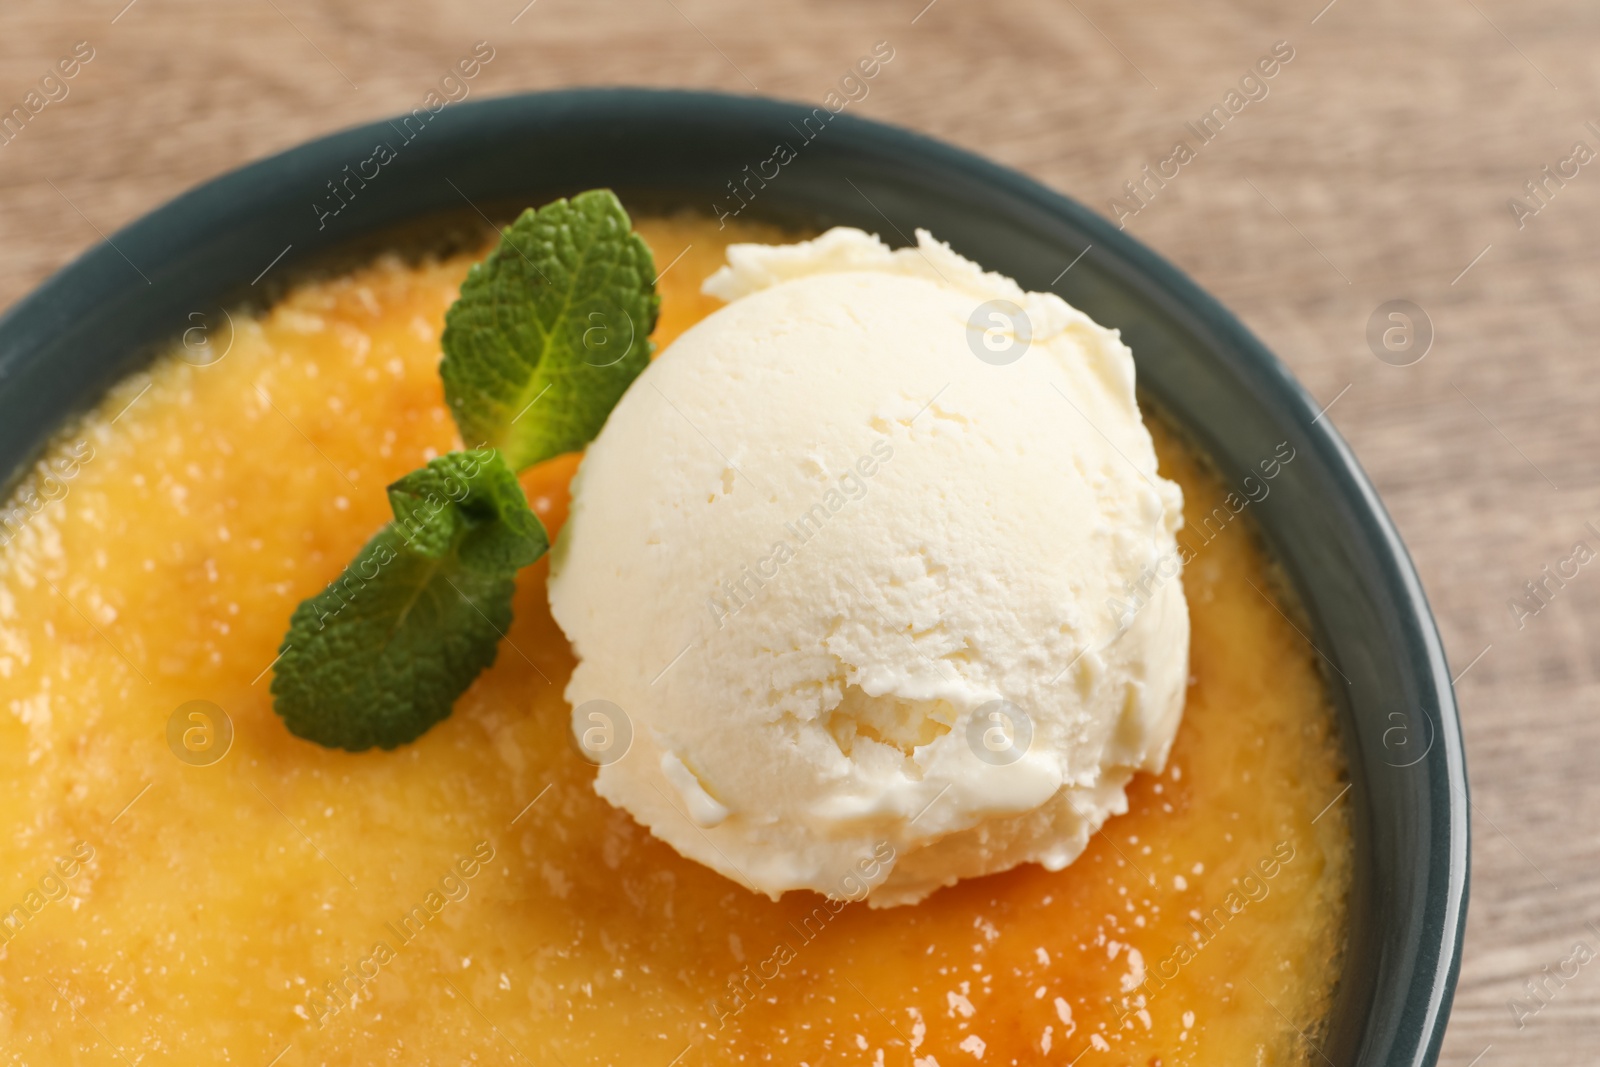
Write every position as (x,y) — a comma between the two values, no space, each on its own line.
(820,535)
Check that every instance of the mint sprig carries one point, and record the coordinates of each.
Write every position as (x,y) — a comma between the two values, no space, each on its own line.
(550,329)
(546,336)
(381,654)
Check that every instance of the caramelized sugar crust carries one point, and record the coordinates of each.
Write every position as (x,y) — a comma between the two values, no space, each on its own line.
(468,898)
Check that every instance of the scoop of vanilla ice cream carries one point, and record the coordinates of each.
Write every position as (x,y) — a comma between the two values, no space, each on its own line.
(876,562)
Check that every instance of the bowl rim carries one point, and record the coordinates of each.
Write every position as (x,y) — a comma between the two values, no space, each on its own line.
(100,274)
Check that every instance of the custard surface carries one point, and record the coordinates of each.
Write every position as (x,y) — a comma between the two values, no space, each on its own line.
(468,898)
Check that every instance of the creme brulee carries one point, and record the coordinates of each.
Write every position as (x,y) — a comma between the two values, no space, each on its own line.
(187,882)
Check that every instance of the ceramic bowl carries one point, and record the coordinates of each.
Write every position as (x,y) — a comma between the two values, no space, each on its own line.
(238,239)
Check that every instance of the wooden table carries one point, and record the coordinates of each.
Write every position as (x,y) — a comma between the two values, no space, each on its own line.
(1379,166)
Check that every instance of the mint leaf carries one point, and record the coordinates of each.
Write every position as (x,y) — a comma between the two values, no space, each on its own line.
(381,654)
(550,329)
(546,336)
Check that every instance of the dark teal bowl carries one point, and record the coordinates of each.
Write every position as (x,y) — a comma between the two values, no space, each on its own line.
(230,241)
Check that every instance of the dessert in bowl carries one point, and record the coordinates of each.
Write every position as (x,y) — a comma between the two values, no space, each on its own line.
(468,890)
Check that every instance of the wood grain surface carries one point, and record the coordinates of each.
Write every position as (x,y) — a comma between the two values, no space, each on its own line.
(1379,166)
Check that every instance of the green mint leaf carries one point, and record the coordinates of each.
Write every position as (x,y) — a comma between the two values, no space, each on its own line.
(546,336)
(550,329)
(381,654)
